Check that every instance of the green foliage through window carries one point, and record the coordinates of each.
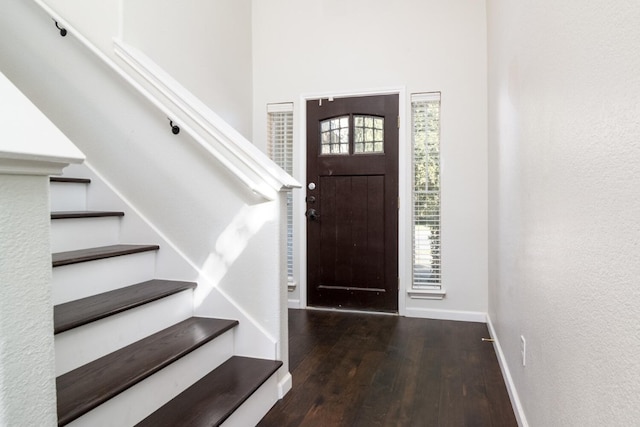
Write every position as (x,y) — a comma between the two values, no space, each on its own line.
(425,112)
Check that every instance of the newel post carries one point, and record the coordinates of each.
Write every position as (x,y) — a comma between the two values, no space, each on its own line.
(31,149)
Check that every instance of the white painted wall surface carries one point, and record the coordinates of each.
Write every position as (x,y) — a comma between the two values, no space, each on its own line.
(97,20)
(172,182)
(27,133)
(564,120)
(205,45)
(332,46)
(27,369)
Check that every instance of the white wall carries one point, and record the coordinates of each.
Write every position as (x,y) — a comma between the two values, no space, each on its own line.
(334,46)
(564,120)
(97,20)
(28,136)
(203,44)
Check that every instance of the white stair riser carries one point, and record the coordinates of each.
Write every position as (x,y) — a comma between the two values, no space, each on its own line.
(81,233)
(75,281)
(133,405)
(81,345)
(256,407)
(66,196)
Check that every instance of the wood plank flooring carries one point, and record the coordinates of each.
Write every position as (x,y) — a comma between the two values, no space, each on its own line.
(374,370)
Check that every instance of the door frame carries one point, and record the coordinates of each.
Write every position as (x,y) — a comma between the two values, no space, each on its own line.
(404,176)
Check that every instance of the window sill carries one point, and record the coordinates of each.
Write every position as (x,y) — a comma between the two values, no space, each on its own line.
(433,294)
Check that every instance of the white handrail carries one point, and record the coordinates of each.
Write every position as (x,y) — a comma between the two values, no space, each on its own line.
(231,140)
(250,165)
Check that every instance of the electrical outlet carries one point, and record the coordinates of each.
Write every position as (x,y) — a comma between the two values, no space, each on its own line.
(523,350)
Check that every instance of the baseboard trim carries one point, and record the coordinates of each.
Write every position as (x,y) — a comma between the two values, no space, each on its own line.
(284,385)
(293,303)
(506,374)
(464,316)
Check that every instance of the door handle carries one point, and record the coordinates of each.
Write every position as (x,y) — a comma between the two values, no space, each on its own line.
(312,214)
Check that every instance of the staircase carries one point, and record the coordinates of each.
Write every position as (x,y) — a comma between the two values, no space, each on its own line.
(128,349)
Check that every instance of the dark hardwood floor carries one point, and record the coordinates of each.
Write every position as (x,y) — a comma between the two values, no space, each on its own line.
(376,370)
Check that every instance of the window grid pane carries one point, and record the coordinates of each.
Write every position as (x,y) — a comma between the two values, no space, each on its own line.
(368,134)
(334,136)
(426,237)
(280,150)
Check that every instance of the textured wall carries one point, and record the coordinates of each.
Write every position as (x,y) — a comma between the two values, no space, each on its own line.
(564,122)
(27,373)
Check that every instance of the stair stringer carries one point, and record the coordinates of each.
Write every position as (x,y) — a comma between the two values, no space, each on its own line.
(250,338)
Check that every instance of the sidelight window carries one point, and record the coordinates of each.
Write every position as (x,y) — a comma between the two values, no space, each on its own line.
(280,149)
(426,237)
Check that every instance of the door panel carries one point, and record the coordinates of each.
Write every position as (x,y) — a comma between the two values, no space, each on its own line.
(352,232)
(352,243)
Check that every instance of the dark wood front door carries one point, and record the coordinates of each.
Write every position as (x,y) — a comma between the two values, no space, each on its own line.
(352,203)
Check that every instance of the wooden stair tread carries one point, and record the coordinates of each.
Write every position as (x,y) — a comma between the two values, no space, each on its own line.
(88,386)
(211,400)
(69,179)
(84,214)
(86,310)
(102,252)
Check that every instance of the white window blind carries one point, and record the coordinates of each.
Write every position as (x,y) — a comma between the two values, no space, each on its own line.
(425,118)
(280,149)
